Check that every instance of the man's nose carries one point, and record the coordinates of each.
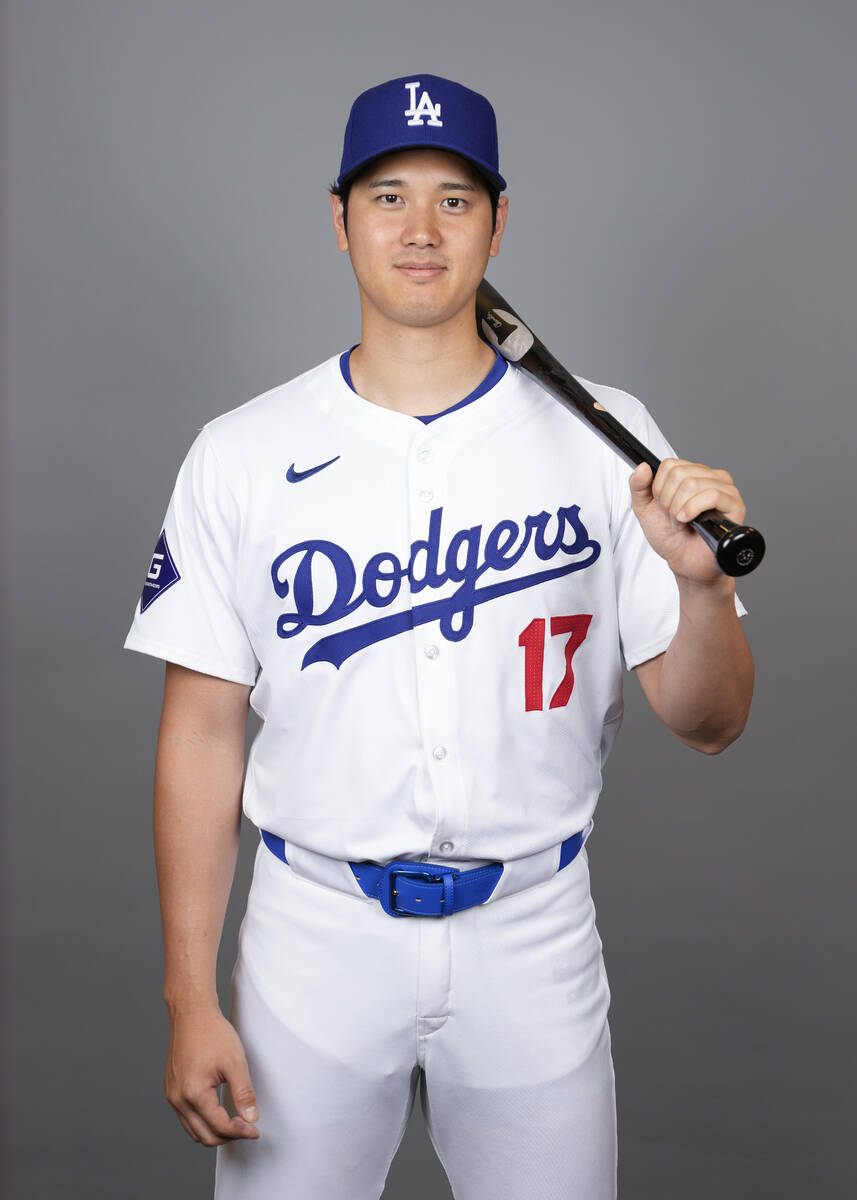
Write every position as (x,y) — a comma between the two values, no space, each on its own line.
(421,227)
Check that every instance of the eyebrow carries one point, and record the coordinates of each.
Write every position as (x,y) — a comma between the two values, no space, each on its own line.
(450,186)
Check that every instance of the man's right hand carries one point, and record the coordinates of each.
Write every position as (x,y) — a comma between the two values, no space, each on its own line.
(204,1052)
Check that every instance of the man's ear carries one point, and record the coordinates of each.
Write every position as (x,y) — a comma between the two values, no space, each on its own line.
(502,214)
(339,222)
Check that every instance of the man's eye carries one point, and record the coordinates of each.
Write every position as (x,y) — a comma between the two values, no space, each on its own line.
(455,202)
(390,197)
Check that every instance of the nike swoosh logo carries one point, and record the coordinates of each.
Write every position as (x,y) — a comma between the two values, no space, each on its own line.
(294,476)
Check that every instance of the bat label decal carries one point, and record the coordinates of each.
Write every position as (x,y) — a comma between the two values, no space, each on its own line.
(507,333)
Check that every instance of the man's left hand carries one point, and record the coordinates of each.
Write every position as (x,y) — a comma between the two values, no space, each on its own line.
(665,505)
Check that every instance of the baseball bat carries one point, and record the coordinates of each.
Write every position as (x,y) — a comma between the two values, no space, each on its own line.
(737,549)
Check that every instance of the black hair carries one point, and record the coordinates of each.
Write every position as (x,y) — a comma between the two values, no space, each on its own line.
(345,190)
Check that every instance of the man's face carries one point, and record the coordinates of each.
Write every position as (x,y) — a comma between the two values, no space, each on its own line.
(419,235)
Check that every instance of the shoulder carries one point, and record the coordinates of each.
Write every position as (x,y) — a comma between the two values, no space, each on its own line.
(237,443)
(268,411)
(624,406)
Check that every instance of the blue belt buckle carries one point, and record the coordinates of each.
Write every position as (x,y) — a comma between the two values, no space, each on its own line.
(430,872)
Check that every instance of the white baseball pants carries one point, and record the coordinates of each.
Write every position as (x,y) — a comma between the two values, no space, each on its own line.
(498,1013)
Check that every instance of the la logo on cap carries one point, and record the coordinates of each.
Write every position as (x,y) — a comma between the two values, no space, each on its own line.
(425,108)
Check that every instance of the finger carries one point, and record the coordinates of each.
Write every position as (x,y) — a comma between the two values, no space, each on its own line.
(241,1092)
(177,1102)
(695,495)
(640,483)
(678,473)
(205,1120)
(641,478)
(188,1128)
(219,1122)
(669,477)
(196,1127)
(200,1132)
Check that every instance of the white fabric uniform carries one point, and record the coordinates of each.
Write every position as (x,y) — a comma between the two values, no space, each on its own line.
(434,618)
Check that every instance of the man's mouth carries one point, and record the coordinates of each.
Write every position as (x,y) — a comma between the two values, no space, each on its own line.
(420,270)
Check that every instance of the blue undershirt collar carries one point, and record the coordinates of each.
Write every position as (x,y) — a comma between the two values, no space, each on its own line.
(498,370)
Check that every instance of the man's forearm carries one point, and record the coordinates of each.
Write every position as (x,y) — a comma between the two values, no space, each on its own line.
(197,821)
(706,677)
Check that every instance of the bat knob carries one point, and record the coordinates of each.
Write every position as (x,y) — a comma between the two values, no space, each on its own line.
(737,549)
(740,551)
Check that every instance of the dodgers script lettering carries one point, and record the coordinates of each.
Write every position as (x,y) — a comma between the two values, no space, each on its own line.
(468,555)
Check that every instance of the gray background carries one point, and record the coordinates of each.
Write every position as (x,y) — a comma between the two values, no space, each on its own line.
(682,183)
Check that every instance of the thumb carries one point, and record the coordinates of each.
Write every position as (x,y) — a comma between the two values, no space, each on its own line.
(640,482)
(243,1095)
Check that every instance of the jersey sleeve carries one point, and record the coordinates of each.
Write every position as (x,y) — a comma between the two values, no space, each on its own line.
(188,611)
(646,589)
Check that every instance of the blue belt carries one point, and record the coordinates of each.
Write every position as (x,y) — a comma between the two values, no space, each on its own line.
(406,888)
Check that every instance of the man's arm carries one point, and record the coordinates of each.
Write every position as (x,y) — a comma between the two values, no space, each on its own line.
(702,685)
(197,818)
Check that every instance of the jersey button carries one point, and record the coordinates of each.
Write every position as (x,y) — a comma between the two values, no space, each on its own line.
(446,847)
(439,753)
(424,455)
(431,651)
(426,494)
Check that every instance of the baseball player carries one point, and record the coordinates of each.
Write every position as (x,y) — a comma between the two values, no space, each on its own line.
(426,578)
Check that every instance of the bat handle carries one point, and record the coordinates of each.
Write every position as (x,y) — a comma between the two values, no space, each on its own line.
(737,549)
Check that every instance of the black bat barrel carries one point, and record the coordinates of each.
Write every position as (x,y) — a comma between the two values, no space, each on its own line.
(737,549)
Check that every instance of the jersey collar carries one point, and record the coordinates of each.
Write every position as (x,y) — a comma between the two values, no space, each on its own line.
(498,370)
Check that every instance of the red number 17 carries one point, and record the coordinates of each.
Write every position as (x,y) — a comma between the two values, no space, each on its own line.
(533,641)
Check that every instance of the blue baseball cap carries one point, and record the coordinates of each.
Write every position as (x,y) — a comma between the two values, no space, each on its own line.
(421,110)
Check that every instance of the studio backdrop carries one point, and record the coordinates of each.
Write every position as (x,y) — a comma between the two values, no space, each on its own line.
(682,176)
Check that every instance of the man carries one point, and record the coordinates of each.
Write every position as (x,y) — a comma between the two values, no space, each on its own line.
(425,576)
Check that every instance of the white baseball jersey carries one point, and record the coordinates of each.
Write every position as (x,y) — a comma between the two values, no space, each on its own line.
(433,614)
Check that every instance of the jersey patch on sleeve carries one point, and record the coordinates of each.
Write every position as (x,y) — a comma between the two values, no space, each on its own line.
(163,573)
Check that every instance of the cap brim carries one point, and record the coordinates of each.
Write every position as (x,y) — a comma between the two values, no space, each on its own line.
(496,180)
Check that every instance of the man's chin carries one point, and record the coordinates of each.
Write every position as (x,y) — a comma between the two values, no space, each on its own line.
(423,310)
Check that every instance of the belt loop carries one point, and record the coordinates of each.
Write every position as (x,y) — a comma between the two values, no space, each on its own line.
(448,894)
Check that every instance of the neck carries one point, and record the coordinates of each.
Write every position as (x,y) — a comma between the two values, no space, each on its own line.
(419,371)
